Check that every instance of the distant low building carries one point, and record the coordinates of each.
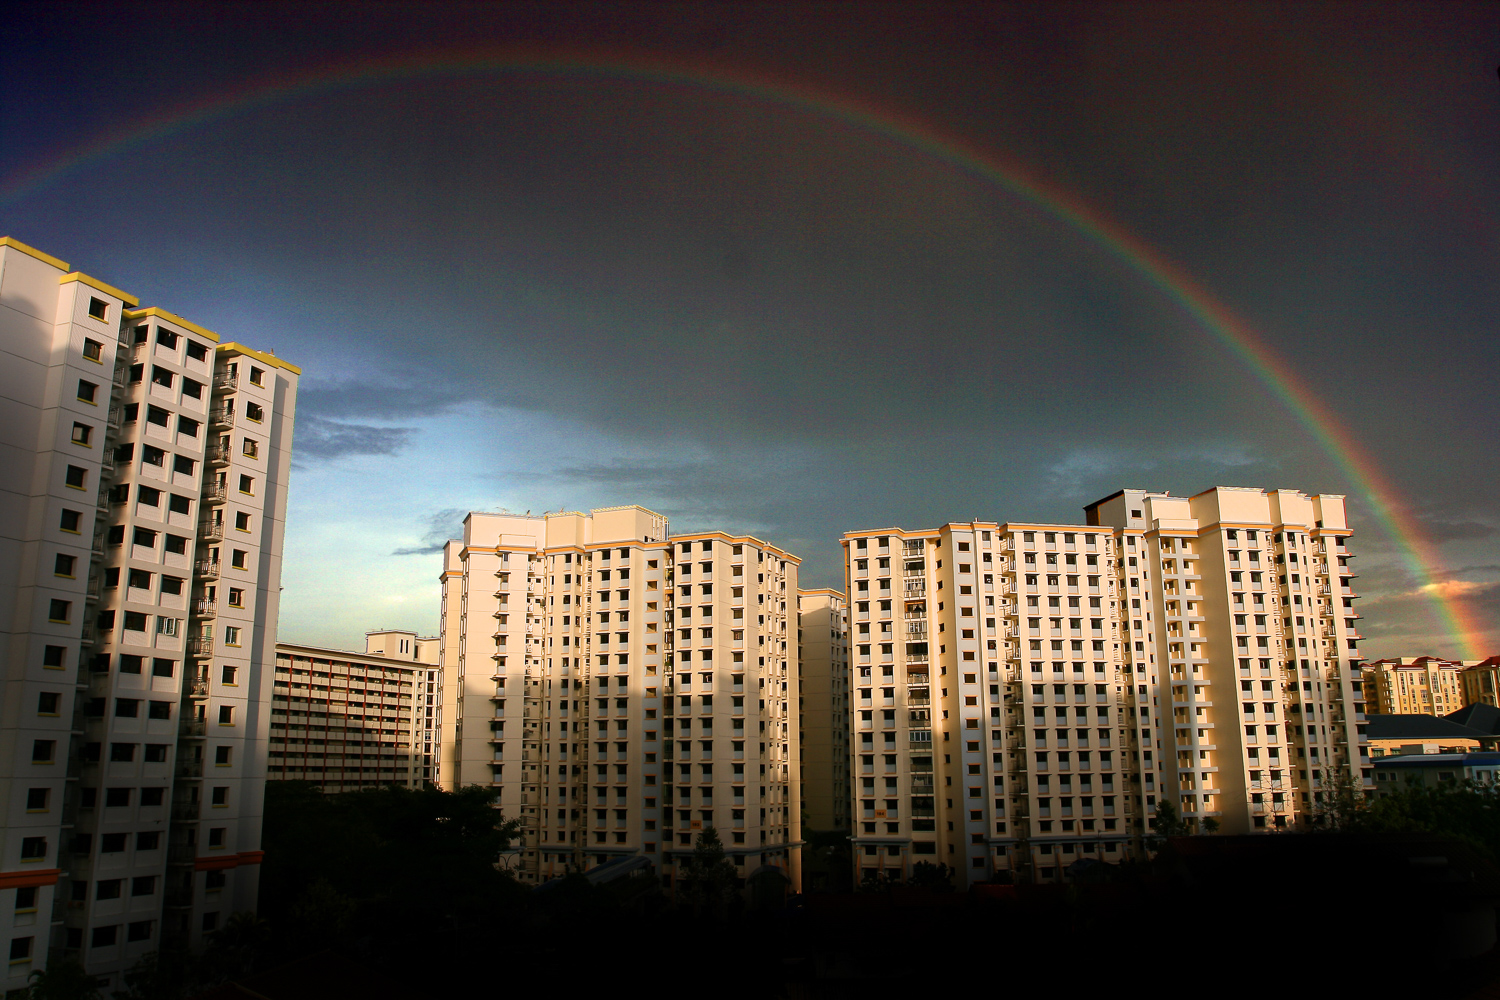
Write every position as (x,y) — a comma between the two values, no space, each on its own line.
(1481,682)
(1414,734)
(1414,685)
(1435,769)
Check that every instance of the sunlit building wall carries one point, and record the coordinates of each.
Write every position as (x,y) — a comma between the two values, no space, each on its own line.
(1028,695)
(620,689)
(141,567)
(1414,685)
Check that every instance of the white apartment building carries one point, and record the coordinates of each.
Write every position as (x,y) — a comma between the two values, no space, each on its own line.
(142,563)
(823,708)
(348,721)
(619,689)
(1027,694)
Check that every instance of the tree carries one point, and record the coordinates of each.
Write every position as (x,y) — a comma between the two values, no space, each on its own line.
(708,878)
(63,979)
(935,877)
(1167,823)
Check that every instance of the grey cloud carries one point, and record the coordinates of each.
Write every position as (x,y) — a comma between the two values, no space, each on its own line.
(321,439)
(344,400)
(439,528)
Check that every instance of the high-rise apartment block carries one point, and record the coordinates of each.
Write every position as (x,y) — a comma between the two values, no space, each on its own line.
(348,721)
(823,711)
(620,689)
(1029,695)
(140,564)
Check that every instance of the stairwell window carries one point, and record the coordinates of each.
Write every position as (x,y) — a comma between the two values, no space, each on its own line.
(247,484)
(93,350)
(231,638)
(88,392)
(98,309)
(256,375)
(237,558)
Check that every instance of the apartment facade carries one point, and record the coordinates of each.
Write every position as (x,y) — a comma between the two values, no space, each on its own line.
(1414,685)
(619,688)
(348,721)
(823,709)
(1027,695)
(142,575)
(1481,681)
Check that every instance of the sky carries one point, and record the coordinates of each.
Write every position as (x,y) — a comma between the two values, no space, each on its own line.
(798,270)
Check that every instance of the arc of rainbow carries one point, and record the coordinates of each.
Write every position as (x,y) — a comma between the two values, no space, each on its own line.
(1418,554)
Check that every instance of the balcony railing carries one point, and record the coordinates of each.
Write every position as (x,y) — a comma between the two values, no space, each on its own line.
(205,609)
(200,646)
(221,417)
(207,569)
(226,381)
(215,493)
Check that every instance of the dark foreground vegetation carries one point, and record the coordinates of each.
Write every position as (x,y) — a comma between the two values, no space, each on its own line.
(394,893)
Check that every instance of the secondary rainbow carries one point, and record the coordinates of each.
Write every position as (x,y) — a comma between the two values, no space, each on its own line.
(1358,465)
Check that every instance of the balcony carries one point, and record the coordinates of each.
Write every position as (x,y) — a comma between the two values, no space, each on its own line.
(215,493)
(221,418)
(200,646)
(209,531)
(206,569)
(205,609)
(226,381)
(193,729)
(218,455)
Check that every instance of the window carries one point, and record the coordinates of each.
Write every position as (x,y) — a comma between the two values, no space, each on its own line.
(192,388)
(33,848)
(42,751)
(188,426)
(221,756)
(36,799)
(116,797)
(59,611)
(161,376)
(93,350)
(98,308)
(108,888)
(127,708)
(149,841)
(177,503)
(63,565)
(247,484)
(48,703)
(197,351)
(149,496)
(132,412)
(20,949)
(121,752)
(161,667)
(160,710)
(171,584)
(231,635)
(103,937)
(139,930)
(111,843)
(26,898)
(166,338)
(236,597)
(226,715)
(156,753)
(227,675)
(140,579)
(135,621)
(76,477)
(71,521)
(152,796)
(52,656)
(144,536)
(220,795)
(184,465)
(82,434)
(216,836)
(88,392)
(177,544)
(256,375)
(254,412)
(241,520)
(168,626)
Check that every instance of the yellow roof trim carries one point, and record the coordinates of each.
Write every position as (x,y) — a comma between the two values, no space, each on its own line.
(269,359)
(172,318)
(125,297)
(45,258)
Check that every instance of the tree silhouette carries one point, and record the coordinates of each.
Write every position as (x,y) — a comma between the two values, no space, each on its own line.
(708,878)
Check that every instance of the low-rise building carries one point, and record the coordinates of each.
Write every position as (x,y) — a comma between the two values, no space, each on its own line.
(1414,685)
(1402,735)
(1432,770)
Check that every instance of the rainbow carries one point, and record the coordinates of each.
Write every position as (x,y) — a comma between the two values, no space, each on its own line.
(1418,553)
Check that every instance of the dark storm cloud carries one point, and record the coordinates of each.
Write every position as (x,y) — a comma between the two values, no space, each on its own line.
(810,325)
(437,529)
(320,439)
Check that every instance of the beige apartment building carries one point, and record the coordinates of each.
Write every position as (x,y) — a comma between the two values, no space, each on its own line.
(823,709)
(1027,695)
(1481,681)
(349,721)
(140,564)
(619,688)
(1414,685)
